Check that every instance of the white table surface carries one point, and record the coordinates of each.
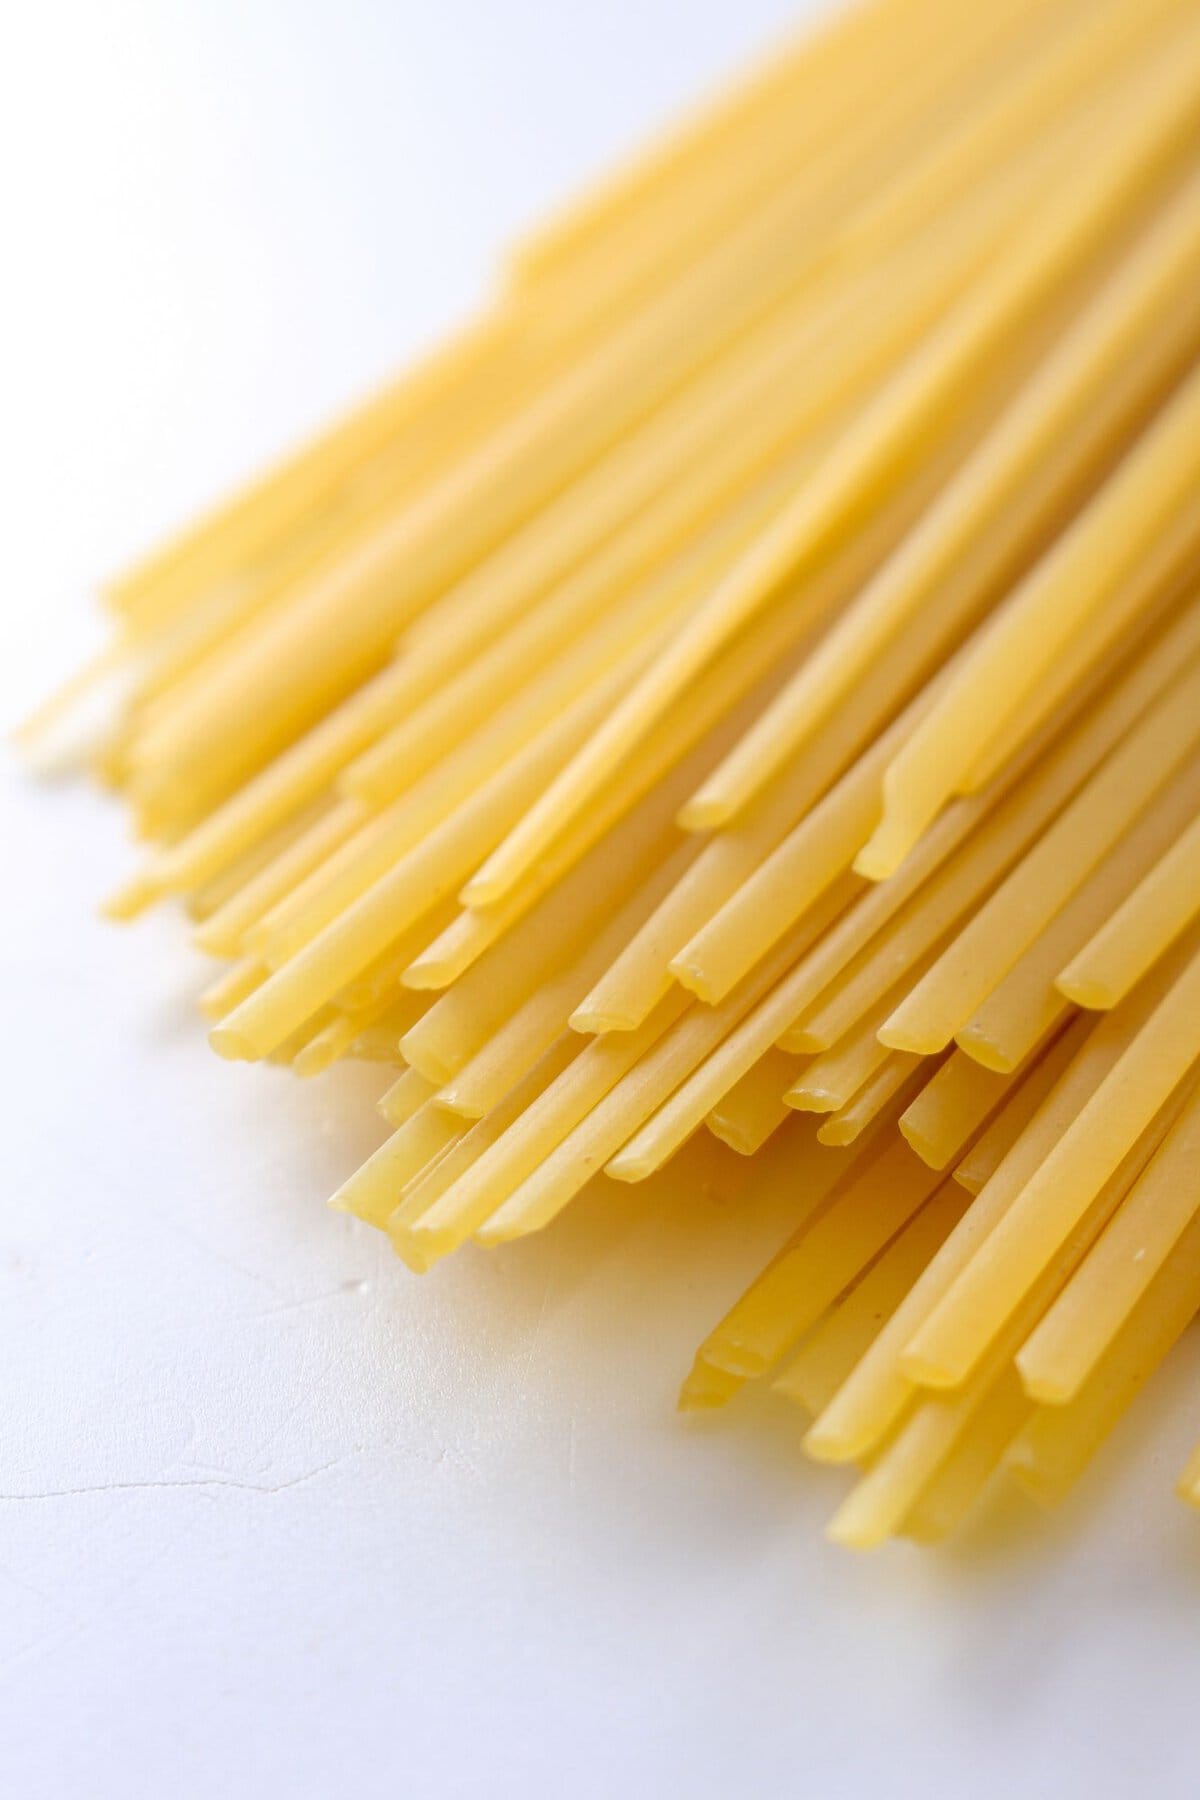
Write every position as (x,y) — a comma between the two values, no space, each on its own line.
(277,1517)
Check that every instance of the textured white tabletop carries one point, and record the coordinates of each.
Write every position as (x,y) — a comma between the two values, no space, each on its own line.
(277,1517)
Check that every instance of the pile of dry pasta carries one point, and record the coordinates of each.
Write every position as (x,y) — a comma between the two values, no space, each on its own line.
(743,693)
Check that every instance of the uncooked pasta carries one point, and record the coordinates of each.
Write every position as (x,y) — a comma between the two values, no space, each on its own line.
(737,706)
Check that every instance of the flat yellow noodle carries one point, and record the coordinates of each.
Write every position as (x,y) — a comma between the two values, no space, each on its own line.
(1027,1004)
(566,916)
(739,1043)
(894,1076)
(407,1094)
(507,753)
(232,986)
(532,1138)
(830,1352)
(481,1081)
(1080,374)
(792,997)
(815,852)
(1056,601)
(795,1165)
(1059,1357)
(1013,103)
(384,975)
(555,1180)
(421,1192)
(754,1107)
(576,942)
(389,1019)
(641,974)
(1058,1193)
(393,903)
(847,1218)
(953,1105)
(832,1079)
(299,775)
(1027,1091)
(1169,571)
(1059,1441)
(970,1464)
(644,570)
(1004,822)
(939,1423)
(226,932)
(210,896)
(513,1049)
(372,1191)
(713,713)
(1150,919)
(1042,883)
(879,1391)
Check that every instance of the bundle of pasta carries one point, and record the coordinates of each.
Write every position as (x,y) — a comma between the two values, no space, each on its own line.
(746,687)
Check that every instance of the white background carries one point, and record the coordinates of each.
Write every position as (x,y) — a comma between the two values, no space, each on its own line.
(276,1517)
